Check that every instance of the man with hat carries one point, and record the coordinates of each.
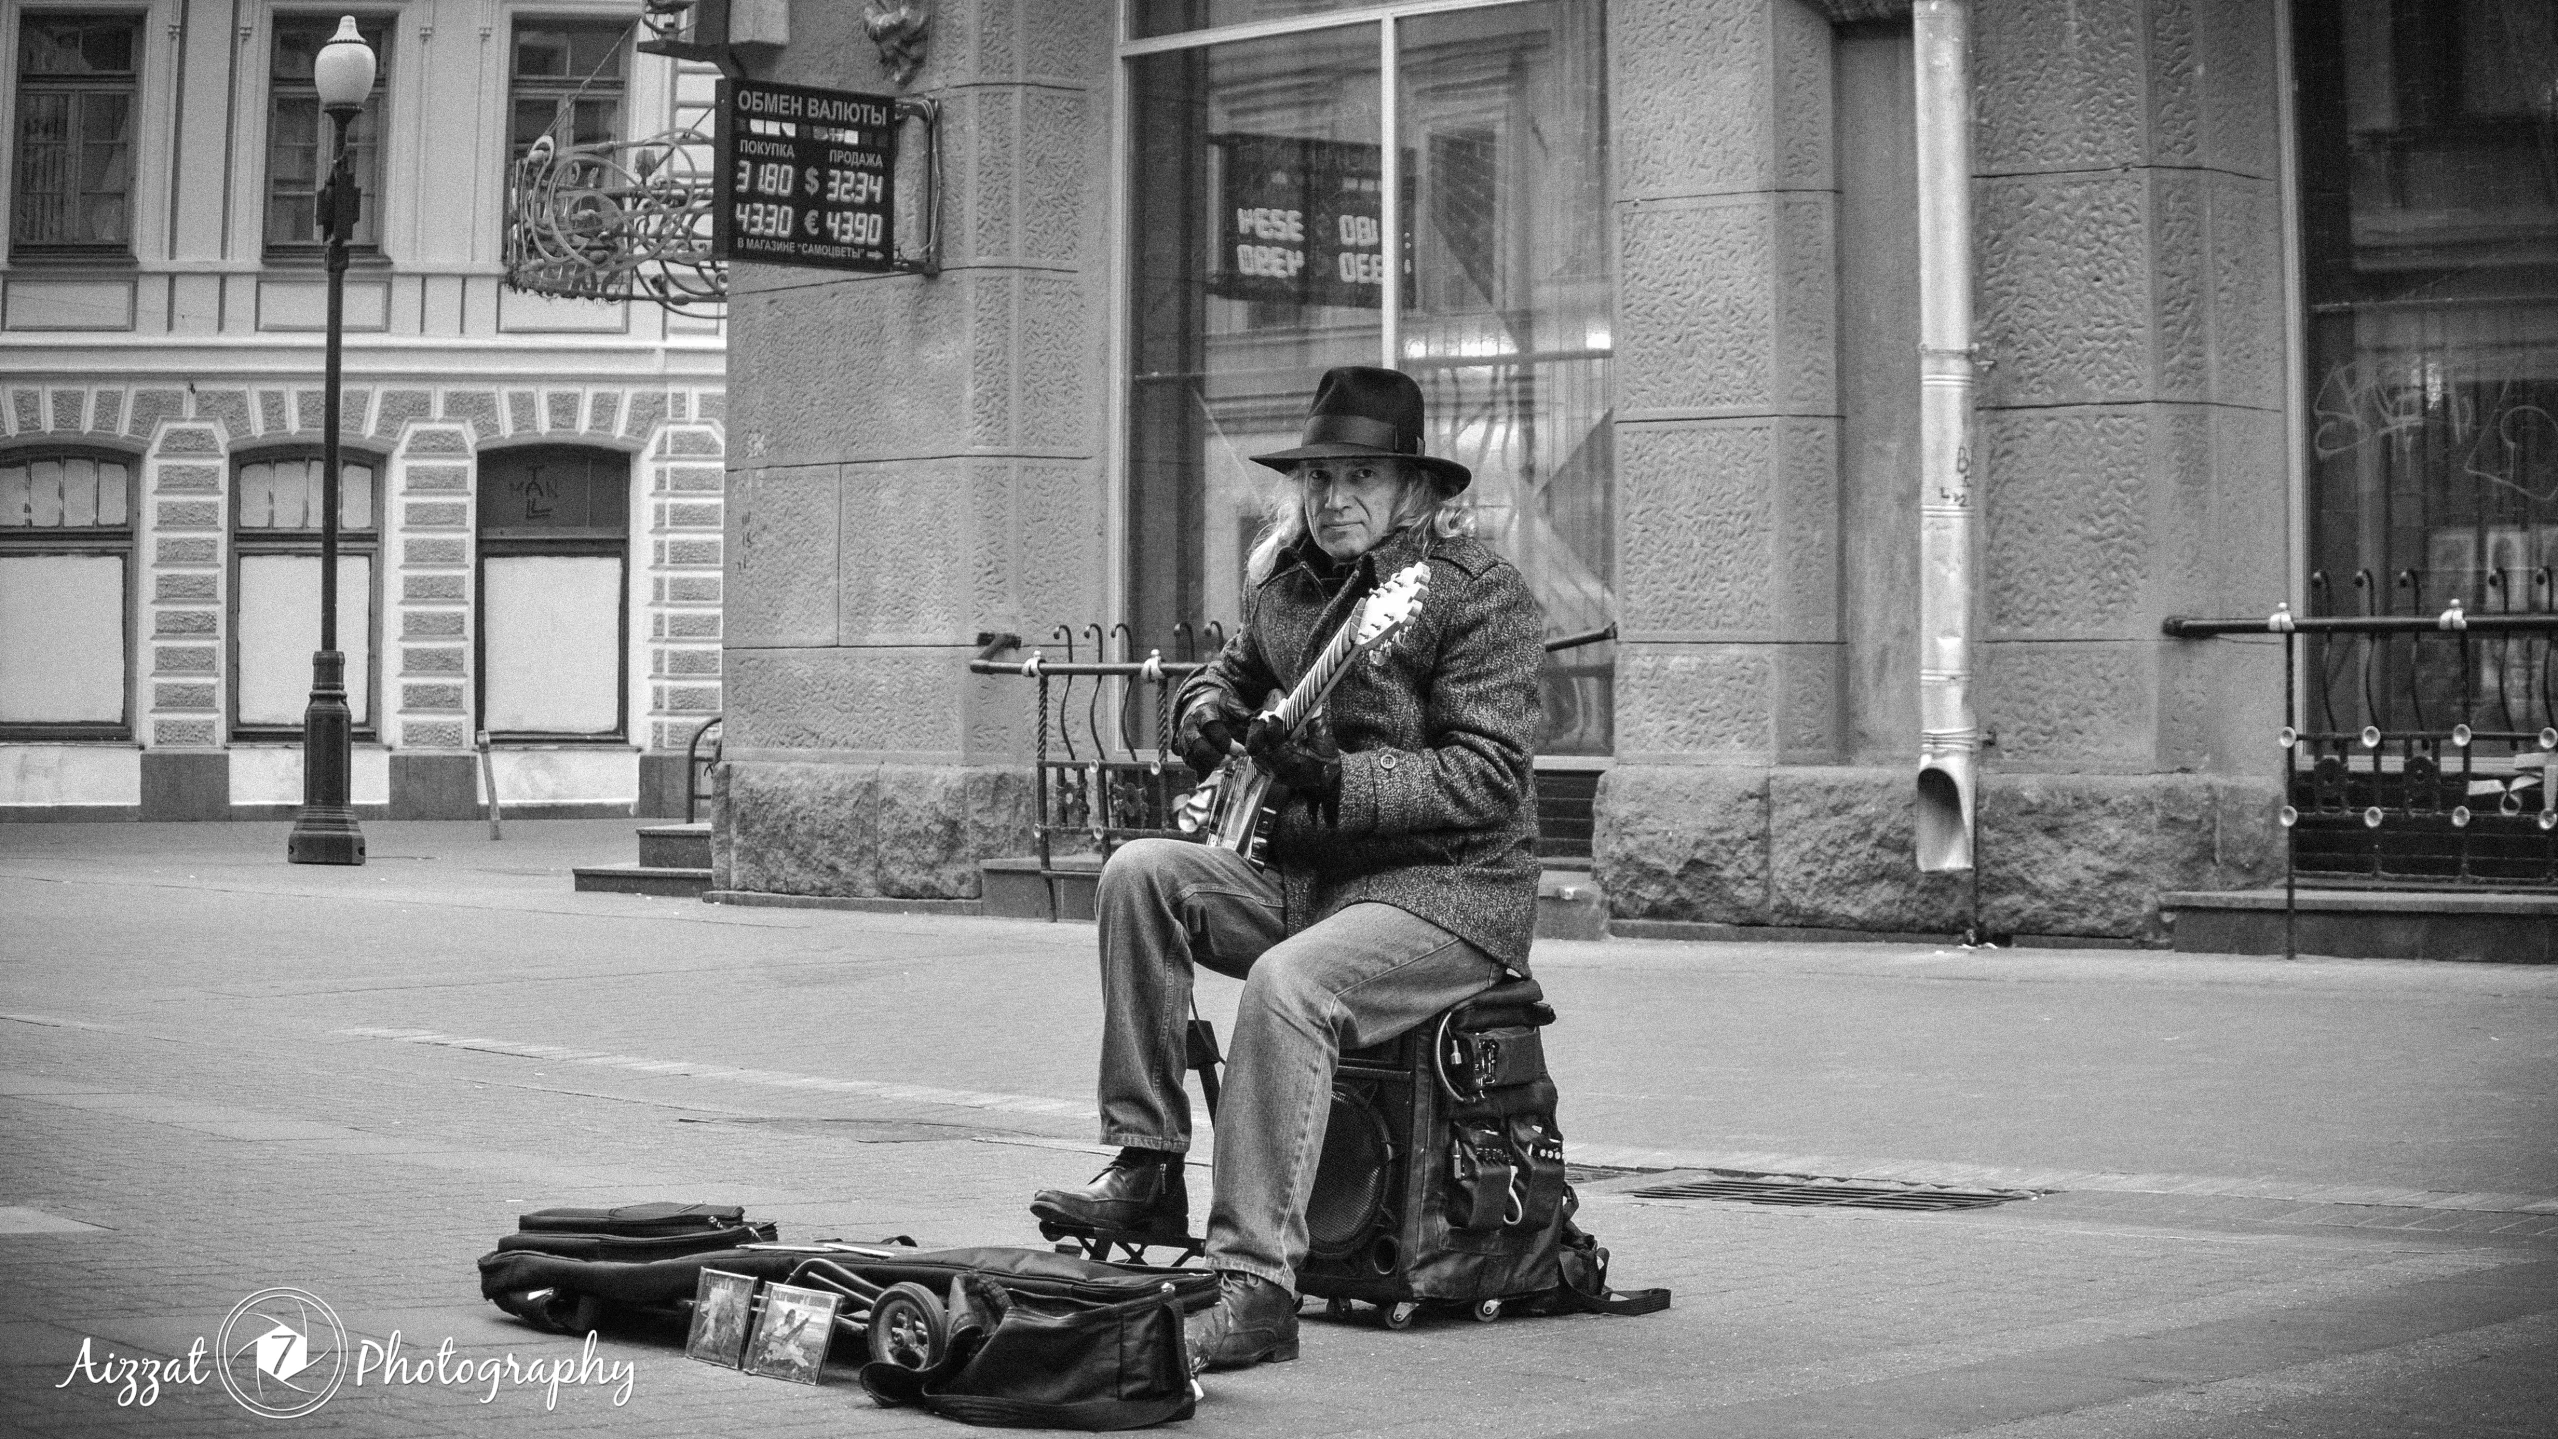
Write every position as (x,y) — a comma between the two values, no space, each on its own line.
(1401,875)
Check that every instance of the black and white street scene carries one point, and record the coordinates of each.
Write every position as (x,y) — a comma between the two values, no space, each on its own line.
(1421,718)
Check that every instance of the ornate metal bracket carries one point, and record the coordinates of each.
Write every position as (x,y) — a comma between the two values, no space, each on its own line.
(616,222)
(899,28)
(732,34)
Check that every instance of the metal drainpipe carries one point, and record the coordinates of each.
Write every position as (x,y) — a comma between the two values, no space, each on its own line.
(1950,736)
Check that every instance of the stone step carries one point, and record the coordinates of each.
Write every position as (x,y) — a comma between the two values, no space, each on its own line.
(679,881)
(1569,903)
(676,846)
(2500,926)
(1017,888)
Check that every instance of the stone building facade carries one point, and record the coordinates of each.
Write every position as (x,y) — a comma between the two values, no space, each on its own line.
(167,351)
(921,460)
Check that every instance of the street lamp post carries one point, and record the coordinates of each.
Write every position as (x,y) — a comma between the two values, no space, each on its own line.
(326,832)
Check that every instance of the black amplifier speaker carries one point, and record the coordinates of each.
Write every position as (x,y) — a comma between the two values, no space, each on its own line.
(1442,1171)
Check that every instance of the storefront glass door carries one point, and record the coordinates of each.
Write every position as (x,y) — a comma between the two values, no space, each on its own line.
(1272,235)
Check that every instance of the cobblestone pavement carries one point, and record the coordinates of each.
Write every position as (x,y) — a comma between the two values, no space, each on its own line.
(2310,1199)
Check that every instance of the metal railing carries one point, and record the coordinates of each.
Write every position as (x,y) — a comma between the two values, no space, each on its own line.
(697,765)
(2428,753)
(1120,782)
(1105,772)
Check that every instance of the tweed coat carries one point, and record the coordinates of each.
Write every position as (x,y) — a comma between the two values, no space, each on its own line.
(1438,799)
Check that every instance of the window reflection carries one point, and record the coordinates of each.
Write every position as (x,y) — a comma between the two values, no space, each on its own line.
(1505,113)
(2429,145)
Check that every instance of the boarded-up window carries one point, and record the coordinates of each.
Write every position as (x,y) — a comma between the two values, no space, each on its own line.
(61,639)
(554,552)
(280,627)
(553,653)
(66,548)
(277,502)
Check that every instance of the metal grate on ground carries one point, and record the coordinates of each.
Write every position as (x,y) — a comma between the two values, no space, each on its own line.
(1831,1193)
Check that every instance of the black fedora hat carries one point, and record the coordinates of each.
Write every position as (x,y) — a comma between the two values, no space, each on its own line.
(1360,410)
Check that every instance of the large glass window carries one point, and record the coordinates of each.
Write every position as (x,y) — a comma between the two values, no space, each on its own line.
(73,191)
(66,552)
(2429,183)
(567,82)
(301,138)
(276,511)
(1268,228)
(554,548)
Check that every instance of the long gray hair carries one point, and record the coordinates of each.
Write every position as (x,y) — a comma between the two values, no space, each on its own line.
(1418,502)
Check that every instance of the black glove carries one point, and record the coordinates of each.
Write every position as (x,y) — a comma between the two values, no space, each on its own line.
(1207,731)
(1308,763)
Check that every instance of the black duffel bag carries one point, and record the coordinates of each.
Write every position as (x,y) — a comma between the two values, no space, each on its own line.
(1008,1349)
(1005,1336)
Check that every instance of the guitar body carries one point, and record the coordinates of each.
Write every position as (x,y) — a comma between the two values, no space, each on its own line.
(1245,810)
(1238,806)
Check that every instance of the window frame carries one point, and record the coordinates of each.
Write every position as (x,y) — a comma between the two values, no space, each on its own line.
(382,100)
(589,542)
(558,89)
(245,543)
(1406,174)
(88,540)
(40,252)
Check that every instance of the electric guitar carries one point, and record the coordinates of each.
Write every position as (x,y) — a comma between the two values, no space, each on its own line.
(1235,806)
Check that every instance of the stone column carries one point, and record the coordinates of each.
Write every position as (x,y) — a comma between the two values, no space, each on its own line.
(915,460)
(1726,443)
(678,631)
(2131,436)
(427,521)
(182,526)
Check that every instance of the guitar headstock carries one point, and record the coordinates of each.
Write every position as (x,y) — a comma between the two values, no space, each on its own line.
(1393,603)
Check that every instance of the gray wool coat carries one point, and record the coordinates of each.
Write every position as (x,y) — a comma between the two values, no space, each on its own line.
(1438,800)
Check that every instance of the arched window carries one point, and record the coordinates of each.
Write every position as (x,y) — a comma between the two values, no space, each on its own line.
(66,558)
(275,589)
(554,593)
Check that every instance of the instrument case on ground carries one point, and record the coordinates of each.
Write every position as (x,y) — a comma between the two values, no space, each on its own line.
(1001,1336)
(636,1232)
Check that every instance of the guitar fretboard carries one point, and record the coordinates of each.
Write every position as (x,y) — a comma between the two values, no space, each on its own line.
(1318,682)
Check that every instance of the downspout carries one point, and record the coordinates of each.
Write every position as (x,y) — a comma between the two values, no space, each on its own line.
(1950,735)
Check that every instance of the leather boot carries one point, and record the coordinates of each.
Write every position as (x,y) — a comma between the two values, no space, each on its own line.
(1135,1196)
(1252,1321)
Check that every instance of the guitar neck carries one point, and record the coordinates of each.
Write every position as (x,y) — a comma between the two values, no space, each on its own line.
(1320,678)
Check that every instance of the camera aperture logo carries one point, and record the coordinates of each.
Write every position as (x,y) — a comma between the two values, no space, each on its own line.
(281,1353)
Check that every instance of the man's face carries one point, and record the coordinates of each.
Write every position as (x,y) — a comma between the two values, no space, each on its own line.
(1350,503)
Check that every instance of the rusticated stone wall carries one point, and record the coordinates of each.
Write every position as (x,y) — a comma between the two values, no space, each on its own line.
(2131,427)
(2130,438)
(1727,425)
(915,460)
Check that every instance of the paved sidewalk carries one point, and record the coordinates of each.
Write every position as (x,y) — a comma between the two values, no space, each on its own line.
(2314,1198)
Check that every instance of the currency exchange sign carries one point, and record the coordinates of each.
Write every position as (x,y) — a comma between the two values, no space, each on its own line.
(805,177)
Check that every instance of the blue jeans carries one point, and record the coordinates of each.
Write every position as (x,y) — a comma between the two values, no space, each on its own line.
(1361,977)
